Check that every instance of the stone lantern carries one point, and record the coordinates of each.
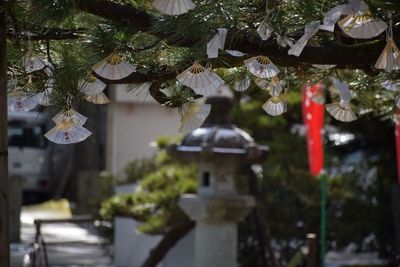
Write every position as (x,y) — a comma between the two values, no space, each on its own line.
(220,150)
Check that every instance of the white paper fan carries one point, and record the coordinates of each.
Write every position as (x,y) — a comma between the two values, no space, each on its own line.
(173,7)
(22,103)
(99,99)
(194,114)
(91,85)
(309,31)
(397,101)
(389,59)
(202,80)
(141,90)
(113,68)
(264,30)
(66,132)
(70,115)
(235,53)
(216,43)
(274,106)
(32,62)
(323,67)
(342,110)
(262,83)
(394,87)
(275,87)
(391,85)
(242,85)
(261,67)
(362,26)
(224,90)
(340,113)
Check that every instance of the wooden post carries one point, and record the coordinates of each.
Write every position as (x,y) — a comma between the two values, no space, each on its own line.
(396,215)
(312,250)
(4,190)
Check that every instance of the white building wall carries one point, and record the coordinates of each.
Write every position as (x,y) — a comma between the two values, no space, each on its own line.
(133,123)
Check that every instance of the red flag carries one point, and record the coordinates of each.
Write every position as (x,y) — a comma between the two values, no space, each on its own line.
(397,136)
(313,117)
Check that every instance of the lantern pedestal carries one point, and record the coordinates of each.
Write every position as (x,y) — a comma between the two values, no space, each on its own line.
(216,226)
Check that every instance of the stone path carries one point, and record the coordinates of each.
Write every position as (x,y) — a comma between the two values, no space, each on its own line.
(68,244)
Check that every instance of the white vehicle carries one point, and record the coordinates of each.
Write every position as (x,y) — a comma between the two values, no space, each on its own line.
(31,156)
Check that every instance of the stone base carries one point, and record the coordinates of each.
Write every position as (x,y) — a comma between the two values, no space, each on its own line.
(224,208)
(216,226)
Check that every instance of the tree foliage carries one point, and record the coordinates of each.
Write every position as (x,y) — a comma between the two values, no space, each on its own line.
(74,35)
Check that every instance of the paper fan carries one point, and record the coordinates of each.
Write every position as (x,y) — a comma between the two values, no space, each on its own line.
(275,87)
(99,99)
(91,85)
(389,59)
(262,83)
(341,113)
(141,90)
(66,132)
(194,114)
(70,115)
(323,67)
(274,106)
(235,53)
(309,31)
(32,62)
(261,67)
(22,103)
(264,30)
(202,80)
(113,68)
(173,7)
(242,85)
(224,90)
(362,26)
(342,110)
(216,43)
(394,87)
(390,85)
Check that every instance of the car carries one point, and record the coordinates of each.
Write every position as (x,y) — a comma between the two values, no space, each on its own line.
(38,162)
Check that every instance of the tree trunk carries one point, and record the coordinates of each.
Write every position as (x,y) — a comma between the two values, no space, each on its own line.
(4,194)
(263,233)
(168,242)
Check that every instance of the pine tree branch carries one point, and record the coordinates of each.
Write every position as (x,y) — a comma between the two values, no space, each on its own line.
(168,242)
(117,12)
(358,56)
(46,34)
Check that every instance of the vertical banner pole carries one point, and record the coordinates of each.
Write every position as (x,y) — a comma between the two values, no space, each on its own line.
(323,229)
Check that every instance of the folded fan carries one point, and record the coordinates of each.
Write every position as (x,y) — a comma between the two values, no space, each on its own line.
(194,114)
(173,7)
(202,80)
(342,110)
(261,67)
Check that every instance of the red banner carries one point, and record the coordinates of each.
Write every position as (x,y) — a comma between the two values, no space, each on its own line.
(313,117)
